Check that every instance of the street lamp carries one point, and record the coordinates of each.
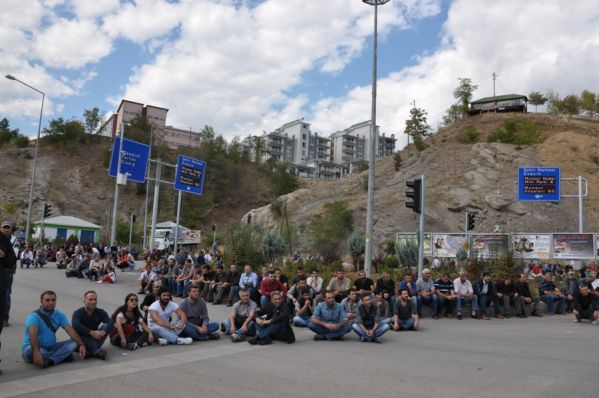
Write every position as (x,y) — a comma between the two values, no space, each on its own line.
(37,145)
(371,164)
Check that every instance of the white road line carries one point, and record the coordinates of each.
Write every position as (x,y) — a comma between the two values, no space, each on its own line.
(44,382)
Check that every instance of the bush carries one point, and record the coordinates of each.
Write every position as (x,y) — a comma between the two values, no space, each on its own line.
(357,245)
(272,246)
(329,230)
(21,141)
(283,181)
(397,161)
(471,135)
(419,144)
(244,245)
(517,133)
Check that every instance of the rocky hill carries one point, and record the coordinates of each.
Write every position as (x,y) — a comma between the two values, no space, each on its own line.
(461,177)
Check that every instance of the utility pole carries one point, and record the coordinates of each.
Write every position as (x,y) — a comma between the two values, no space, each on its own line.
(179,198)
(131,219)
(495,75)
(115,207)
(145,242)
(155,204)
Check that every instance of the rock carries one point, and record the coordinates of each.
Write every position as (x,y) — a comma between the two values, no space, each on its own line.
(497,202)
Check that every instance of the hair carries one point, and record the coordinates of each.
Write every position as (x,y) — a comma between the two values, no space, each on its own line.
(47,293)
(275,293)
(486,274)
(299,268)
(89,292)
(446,274)
(194,287)
(339,270)
(304,290)
(277,269)
(244,291)
(353,290)
(123,308)
(314,270)
(271,272)
(402,290)
(163,289)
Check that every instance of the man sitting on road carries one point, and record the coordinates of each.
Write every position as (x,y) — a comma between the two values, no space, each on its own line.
(425,287)
(386,286)
(146,279)
(367,328)
(93,325)
(446,296)
(523,297)
(340,285)
(504,290)
(465,293)
(569,289)
(269,285)
(211,289)
(248,280)
(408,284)
(39,342)
(198,325)
(159,320)
(584,306)
(296,291)
(304,307)
(229,286)
(551,295)
(405,315)
(485,292)
(273,322)
(241,318)
(364,285)
(350,305)
(329,320)
(315,283)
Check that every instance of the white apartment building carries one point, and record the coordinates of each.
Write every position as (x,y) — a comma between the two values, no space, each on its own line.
(353,144)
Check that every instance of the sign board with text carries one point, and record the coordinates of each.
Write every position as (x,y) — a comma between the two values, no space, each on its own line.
(134,161)
(190,175)
(539,184)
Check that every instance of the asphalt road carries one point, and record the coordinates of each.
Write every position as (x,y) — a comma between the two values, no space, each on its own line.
(547,357)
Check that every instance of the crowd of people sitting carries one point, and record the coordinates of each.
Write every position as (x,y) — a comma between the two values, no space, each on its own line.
(265,305)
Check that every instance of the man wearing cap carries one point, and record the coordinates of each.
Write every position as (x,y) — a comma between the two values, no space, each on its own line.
(569,289)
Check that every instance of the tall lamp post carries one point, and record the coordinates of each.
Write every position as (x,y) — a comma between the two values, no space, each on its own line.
(37,146)
(371,164)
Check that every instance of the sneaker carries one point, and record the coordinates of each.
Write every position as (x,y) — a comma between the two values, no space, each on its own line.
(459,316)
(132,346)
(184,340)
(595,322)
(576,320)
(101,354)
(46,362)
(318,337)
(375,340)
(214,336)
(265,341)
(253,340)
(235,338)
(162,341)
(363,340)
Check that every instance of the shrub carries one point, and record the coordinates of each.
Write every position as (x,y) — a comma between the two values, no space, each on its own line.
(329,230)
(21,141)
(272,246)
(517,133)
(471,135)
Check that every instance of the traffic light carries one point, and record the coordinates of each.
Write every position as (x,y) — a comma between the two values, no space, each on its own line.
(134,218)
(471,221)
(414,195)
(213,227)
(47,210)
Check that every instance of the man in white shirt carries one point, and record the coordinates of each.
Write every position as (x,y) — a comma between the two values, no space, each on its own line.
(465,293)
(315,283)
(158,320)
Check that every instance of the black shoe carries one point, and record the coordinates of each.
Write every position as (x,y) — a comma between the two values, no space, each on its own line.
(47,363)
(534,313)
(253,340)
(265,341)
(222,327)
(474,316)
(339,338)
(69,359)
(229,304)
(459,316)
(435,316)
(214,336)
(5,323)
(318,337)
(101,355)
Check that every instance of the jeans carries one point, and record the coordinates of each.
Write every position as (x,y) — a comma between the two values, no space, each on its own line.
(61,351)
(92,275)
(169,335)
(269,330)
(551,299)
(387,321)
(503,305)
(483,301)
(445,302)
(380,330)
(327,333)
(181,288)
(406,324)
(301,321)
(138,337)
(264,300)
(433,300)
(93,345)
(250,332)
(191,330)
(461,300)
(233,291)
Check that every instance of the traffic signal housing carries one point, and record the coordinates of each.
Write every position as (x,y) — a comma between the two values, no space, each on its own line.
(47,210)
(414,193)
(213,228)
(471,223)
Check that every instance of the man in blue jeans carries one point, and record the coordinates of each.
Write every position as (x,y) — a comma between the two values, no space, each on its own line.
(198,325)
(159,320)
(366,327)
(551,295)
(405,314)
(93,325)
(329,321)
(39,342)
(241,318)
(273,322)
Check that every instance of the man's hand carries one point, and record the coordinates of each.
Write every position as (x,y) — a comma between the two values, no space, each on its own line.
(97,334)
(2,254)
(37,358)
(203,329)
(150,338)
(527,300)
(500,295)
(82,351)
(369,333)
(395,326)
(124,343)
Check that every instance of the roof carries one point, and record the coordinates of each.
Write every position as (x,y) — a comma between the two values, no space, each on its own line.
(69,221)
(169,224)
(499,98)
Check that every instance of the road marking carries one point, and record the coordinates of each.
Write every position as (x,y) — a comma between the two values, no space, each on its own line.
(44,382)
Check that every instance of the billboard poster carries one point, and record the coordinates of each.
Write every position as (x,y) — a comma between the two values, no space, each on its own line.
(448,245)
(532,246)
(489,245)
(574,246)
(402,239)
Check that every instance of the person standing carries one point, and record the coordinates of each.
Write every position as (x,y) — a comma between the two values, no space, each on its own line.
(7,230)
(39,341)
(93,325)
(8,263)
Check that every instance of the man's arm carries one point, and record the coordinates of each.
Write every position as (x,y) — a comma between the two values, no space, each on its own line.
(73,335)
(77,325)
(159,321)
(182,318)
(35,346)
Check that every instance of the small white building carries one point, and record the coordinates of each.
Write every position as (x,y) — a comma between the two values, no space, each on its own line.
(62,227)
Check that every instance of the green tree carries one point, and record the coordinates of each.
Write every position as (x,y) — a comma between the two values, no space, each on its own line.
(571,105)
(329,230)
(356,244)
(91,119)
(207,135)
(588,102)
(471,135)
(258,145)
(139,129)
(463,93)
(273,246)
(397,161)
(243,245)
(361,165)
(452,114)
(283,181)
(554,103)
(65,132)
(6,133)
(535,98)
(417,126)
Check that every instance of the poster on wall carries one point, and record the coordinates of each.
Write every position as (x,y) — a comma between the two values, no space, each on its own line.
(532,246)
(448,245)
(403,239)
(489,245)
(574,246)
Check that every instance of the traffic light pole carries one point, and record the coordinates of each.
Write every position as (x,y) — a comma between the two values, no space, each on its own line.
(179,198)
(115,207)
(130,229)
(421,230)
(155,204)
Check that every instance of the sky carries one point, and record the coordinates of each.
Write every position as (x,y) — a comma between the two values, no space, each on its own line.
(247,66)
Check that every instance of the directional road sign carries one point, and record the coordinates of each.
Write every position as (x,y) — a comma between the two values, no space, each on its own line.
(539,184)
(190,175)
(134,161)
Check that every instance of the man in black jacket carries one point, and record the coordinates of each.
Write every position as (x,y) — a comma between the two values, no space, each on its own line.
(273,322)
(523,297)
(8,262)
(229,286)
(484,288)
(93,325)
(584,307)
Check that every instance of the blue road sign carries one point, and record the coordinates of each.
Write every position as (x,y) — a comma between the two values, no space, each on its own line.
(190,175)
(134,161)
(539,184)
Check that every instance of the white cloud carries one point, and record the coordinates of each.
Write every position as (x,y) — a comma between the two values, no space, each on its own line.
(533,45)
(93,8)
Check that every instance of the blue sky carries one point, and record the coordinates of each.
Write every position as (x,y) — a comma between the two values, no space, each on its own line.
(248,66)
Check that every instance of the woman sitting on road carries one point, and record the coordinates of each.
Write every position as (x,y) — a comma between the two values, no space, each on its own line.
(131,331)
(109,277)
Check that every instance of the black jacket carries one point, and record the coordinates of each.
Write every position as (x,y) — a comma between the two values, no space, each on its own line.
(281,315)
(10,259)
(478,288)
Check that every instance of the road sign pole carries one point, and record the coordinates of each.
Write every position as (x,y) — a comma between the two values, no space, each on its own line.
(155,204)
(179,198)
(580,207)
(130,229)
(421,230)
(115,207)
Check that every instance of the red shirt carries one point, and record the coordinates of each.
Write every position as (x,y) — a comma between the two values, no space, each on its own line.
(267,287)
